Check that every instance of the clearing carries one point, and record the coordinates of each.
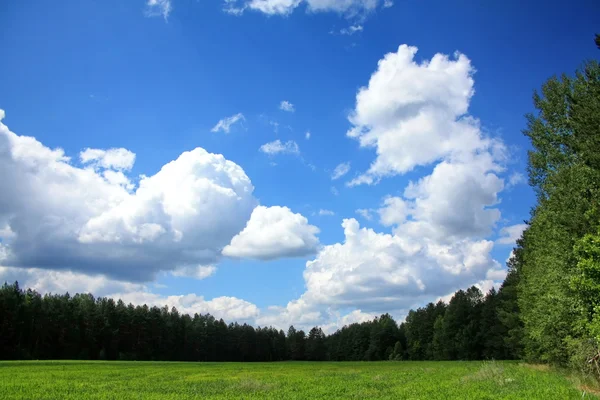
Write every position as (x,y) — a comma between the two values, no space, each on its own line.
(285,380)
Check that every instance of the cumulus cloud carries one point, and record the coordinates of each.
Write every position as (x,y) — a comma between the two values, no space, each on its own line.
(225,124)
(279,147)
(414,114)
(287,106)
(341,170)
(274,232)
(64,217)
(158,8)
(378,271)
(118,159)
(510,234)
(62,281)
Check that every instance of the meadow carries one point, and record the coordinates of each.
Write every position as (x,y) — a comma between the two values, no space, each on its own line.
(285,380)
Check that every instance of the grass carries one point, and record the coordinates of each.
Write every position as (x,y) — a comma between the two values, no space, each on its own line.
(360,380)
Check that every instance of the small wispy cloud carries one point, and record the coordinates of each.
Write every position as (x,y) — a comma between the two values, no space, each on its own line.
(279,147)
(351,30)
(233,8)
(335,191)
(158,8)
(307,135)
(365,213)
(225,124)
(341,170)
(287,106)
(326,212)
(516,179)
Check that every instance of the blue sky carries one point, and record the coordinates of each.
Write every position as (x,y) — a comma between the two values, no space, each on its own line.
(140,82)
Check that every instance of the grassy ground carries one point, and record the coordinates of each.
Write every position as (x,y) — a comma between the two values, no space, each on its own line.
(382,380)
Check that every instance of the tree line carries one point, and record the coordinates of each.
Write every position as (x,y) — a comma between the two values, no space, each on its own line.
(55,326)
(547,309)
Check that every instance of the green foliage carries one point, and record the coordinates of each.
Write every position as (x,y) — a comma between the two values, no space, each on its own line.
(289,380)
(564,168)
(556,263)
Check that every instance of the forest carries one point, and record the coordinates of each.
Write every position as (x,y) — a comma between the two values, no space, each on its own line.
(82,327)
(547,310)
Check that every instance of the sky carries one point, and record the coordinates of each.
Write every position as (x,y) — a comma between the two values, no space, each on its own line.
(272,162)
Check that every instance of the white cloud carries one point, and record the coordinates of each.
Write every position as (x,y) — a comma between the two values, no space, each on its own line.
(510,234)
(279,147)
(515,179)
(272,7)
(227,308)
(323,212)
(394,211)
(334,191)
(158,8)
(377,272)
(388,3)
(338,321)
(351,30)
(286,7)
(415,113)
(287,106)
(341,170)
(274,232)
(197,271)
(62,281)
(117,159)
(307,135)
(456,200)
(62,216)
(225,124)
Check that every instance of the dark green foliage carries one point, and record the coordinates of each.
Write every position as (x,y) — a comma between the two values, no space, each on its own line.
(88,328)
(316,349)
(83,327)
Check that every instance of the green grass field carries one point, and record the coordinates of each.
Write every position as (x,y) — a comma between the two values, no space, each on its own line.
(360,380)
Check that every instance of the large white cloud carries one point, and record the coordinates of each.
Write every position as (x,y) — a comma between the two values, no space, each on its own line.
(59,216)
(454,202)
(274,232)
(378,271)
(414,113)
